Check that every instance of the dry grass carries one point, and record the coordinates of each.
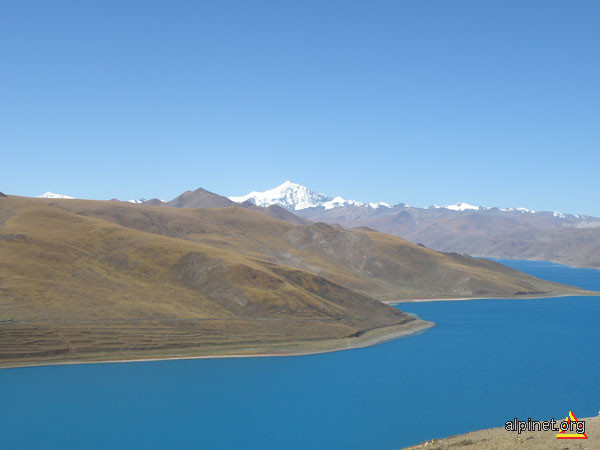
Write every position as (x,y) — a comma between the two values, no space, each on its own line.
(89,279)
(500,439)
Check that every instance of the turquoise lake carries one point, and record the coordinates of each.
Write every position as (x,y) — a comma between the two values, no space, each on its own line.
(486,362)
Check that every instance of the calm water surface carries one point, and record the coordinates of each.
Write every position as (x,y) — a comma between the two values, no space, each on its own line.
(485,362)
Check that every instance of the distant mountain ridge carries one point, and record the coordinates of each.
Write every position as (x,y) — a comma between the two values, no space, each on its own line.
(53,195)
(295,197)
(519,233)
(201,198)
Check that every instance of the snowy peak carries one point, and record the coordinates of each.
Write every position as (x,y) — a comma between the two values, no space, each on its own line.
(462,206)
(293,196)
(380,205)
(522,210)
(339,202)
(288,195)
(53,195)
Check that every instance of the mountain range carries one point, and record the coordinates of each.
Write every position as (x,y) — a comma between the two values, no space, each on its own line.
(88,280)
(296,197)
(518,233)
(511,233)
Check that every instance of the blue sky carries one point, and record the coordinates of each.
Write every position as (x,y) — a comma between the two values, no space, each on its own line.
(488,102)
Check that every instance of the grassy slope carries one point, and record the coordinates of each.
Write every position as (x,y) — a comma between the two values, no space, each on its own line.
(74,287)
(95,280)
(379,265)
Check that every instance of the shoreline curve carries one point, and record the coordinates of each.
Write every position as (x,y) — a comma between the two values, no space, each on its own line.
(300,348)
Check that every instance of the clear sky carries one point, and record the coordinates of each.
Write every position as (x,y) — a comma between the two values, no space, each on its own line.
(490,102)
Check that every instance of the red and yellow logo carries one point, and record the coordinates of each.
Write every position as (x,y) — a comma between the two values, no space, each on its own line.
(569,424)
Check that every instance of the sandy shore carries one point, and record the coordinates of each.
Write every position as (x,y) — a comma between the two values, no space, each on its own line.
(455,299)
(369,338)
(500,439)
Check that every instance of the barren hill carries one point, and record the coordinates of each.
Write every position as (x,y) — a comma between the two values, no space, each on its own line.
(518,233)
(568,239)
(84,279)
(201,198)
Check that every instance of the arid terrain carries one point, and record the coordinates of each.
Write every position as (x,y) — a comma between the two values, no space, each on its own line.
(510,233)
(569,239)
(500,439)
(90,280)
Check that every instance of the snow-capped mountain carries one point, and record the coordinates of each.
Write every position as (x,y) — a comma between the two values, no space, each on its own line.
(295,197)
(287,195)
(53,195)
(523,210)
(462,206)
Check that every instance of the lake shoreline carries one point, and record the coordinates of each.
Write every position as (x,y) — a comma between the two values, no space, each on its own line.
(459,299)
(300,348)
(395,395)
(366,339)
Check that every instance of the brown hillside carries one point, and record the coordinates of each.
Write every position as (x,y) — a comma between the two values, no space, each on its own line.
(84,280)
(379,265)
(76,287)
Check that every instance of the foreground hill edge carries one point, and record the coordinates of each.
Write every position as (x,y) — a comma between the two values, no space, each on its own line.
(500,439)
(299,348)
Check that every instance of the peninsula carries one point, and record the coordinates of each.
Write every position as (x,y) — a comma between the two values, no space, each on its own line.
(84,280)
